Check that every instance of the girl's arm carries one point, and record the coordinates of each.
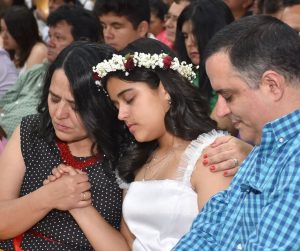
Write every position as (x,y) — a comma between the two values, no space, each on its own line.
(206,183)
(101,235)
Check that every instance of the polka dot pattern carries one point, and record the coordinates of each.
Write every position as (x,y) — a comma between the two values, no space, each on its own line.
(40,158)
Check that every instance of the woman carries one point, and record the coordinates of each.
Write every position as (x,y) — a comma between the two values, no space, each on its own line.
(74,126)
(21,38)
(165,183)
(195,27)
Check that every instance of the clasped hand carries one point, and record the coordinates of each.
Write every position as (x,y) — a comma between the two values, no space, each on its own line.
(69,188)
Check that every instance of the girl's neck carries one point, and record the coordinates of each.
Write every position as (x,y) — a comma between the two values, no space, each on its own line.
(170,141)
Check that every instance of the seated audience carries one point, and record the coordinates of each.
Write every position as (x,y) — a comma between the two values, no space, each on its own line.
(67,24)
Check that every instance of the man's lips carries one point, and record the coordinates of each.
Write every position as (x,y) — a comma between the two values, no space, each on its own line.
(236,124)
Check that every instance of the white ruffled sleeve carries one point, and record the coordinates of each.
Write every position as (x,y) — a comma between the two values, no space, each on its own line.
(193,152)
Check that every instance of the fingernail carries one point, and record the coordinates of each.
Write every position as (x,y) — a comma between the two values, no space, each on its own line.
(205,162)
(212,168)
(205,155)
(225,173)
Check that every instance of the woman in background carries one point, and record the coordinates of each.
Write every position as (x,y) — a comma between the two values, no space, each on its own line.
(21,38)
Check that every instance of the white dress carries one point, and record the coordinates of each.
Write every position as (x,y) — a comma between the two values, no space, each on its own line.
(160,212)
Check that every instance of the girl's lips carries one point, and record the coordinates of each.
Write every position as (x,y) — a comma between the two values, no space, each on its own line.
(131,127)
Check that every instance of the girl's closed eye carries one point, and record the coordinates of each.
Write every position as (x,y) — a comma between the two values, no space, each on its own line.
(129,101)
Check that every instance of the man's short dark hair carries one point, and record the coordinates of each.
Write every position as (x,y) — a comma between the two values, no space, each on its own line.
(135,11)
(85,24)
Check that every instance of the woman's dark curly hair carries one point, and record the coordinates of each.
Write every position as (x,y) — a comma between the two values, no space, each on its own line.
(94,107)
(187,117)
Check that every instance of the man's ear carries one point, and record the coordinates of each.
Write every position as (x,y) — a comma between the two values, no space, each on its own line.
(274,84)
(143,28)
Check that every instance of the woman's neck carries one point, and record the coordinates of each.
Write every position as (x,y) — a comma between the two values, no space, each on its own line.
(81,148)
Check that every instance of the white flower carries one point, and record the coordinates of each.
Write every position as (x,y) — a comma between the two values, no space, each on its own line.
(118,63)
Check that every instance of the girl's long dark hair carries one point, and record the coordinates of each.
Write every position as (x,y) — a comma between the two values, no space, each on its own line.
(187,117)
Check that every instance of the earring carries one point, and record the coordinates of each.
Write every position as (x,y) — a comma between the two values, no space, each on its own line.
(170,101)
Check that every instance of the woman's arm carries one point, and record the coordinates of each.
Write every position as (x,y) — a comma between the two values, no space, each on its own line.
(206,183)
(37,55)
(19,214)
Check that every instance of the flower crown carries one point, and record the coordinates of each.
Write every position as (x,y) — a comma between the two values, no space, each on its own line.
(139,59)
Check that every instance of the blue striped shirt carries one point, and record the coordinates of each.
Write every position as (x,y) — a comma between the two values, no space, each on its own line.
(260,211)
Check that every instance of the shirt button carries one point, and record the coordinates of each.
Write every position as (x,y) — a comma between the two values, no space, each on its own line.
(281,140)
(239,247)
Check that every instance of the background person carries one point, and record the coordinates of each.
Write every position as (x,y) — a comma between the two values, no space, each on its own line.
(21,38)
(123,21)
(67,24)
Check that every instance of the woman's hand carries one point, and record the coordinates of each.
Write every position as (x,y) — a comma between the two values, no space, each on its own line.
(68,188)
(226,154)
(59,171)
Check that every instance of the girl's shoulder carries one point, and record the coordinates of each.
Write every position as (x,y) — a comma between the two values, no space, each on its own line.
(193,153)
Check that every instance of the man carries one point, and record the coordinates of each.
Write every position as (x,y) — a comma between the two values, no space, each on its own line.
(67,24)
(239,8)
(171,18)
(254,66)
(123,21)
